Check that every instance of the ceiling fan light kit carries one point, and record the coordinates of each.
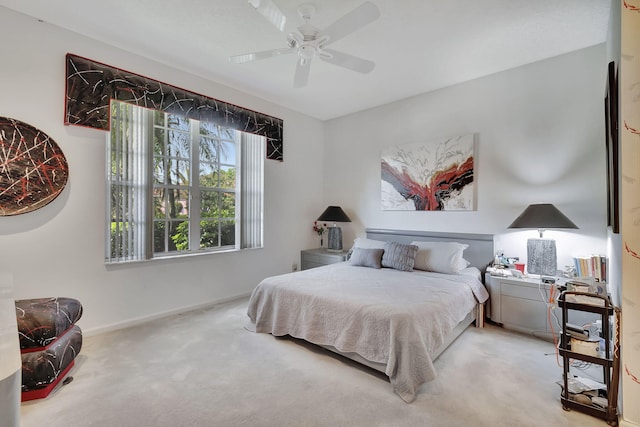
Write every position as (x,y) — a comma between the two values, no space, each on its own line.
(309,42)
(306,11)
(270,11)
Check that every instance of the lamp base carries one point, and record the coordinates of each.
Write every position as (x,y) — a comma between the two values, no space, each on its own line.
(542,257)
(334,243)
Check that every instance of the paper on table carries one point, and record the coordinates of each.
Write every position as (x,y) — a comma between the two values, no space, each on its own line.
(591,384)
(584,299)
(577,385)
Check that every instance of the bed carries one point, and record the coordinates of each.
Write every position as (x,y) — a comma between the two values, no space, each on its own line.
(394,319)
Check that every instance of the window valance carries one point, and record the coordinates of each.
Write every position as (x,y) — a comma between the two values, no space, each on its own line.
(91,85)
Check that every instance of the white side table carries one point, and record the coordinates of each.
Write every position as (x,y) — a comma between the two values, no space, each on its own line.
(518,304)
(310,258)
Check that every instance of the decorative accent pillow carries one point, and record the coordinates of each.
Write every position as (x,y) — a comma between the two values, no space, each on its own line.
(363,242)
(399,256)
(440,257)
(366,257)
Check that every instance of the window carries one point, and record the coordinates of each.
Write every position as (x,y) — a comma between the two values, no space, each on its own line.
(178,186)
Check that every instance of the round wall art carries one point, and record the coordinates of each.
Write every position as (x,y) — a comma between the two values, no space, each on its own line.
(33,170)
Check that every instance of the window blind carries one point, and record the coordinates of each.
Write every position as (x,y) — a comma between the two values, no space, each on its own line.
(251,190)
(128,185)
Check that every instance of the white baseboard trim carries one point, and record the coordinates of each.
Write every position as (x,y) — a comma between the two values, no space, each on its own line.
(623,423)
(144,319)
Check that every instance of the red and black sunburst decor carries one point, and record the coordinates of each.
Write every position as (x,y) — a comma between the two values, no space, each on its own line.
(33,169)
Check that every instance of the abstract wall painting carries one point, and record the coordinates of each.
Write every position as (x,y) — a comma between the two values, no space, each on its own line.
(33,169)
(434,176)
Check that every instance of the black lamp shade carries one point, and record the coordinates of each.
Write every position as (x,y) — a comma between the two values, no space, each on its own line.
(541,253)
(334,214)
(542,216)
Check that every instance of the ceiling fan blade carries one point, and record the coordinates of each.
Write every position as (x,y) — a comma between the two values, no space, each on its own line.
(362,15)
(255,56)
(270,11)
(347,61)
(302,73)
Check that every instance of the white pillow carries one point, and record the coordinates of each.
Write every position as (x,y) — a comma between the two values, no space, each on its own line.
(440,257)
(363,242)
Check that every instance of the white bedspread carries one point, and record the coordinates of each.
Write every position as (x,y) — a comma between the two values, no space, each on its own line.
(384,315)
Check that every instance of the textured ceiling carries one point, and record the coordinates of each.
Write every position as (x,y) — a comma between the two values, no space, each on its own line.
(417,45)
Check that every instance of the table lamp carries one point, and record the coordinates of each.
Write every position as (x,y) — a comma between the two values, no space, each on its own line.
(541,253)
(334,214)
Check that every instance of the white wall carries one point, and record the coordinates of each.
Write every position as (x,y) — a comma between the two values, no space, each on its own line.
(629,102)
(540,132)
(58,250)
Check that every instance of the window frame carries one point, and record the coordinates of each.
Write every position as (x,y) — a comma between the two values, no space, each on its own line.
(241,141)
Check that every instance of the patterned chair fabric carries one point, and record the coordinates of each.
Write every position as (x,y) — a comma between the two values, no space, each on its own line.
(49,342)
(42,320)
(42,368)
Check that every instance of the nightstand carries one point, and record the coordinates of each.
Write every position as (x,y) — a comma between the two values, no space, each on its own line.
(310,258)
(518,304)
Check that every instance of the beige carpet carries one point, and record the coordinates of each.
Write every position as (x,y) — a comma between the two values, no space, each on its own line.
(204,369)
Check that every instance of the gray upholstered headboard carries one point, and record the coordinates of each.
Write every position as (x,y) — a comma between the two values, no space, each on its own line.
(479,253)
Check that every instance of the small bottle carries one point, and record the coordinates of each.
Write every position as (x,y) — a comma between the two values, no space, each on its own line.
(601,348)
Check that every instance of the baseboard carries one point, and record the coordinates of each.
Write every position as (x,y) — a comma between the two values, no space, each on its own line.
(144,319)
(623,423)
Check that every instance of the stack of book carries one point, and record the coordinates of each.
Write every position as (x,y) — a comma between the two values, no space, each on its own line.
(577,331)
(591,266)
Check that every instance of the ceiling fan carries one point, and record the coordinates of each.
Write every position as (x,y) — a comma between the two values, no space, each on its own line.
(309,42)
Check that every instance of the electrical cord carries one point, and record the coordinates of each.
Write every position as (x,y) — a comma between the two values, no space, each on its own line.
(556,343)
(549,301)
